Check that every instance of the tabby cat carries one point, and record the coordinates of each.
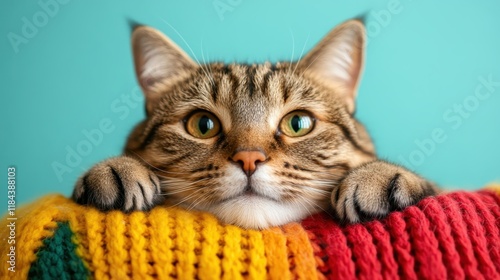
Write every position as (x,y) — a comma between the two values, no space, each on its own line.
(257,145)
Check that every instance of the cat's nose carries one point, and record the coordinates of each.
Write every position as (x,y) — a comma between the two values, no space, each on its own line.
(249,160)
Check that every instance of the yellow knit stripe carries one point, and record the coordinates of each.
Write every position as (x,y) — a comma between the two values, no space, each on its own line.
(209,264)
(164,243)
(138,232)
(184,245)
(161,243)
(76,224)
(256,250)
(34,223)
(117,248)
(93,230)
(495,187)
(231,253)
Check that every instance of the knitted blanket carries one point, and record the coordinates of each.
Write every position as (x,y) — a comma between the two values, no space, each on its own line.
(453,236)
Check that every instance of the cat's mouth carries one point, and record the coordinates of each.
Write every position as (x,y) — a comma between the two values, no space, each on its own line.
(249,192)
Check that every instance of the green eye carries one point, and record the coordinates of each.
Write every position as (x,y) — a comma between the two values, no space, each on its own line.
(203,125)
(297,123)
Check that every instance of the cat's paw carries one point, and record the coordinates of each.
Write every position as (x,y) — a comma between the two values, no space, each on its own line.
(120,183)
(375,189)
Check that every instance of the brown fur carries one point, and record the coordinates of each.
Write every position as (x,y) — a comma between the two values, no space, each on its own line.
(333,165)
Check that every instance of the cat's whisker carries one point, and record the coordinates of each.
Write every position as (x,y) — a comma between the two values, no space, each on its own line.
(171,173)
(185,42)
(196,202)
(182,38)
(186,198)
(310,63)
(325,192)
(301,53)
(324,183)
(311,203)
(293,50)
(179,185)
(207,68)
(305,207)
(154,167)
(177,191)
(171,180)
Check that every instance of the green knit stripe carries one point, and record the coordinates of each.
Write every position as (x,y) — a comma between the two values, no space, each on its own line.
(57,258)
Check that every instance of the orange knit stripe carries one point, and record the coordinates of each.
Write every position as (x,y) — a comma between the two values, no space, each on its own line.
(276,253)
(301,256)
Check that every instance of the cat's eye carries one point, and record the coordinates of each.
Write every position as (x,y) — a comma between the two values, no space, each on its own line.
(297,123)
(203,125)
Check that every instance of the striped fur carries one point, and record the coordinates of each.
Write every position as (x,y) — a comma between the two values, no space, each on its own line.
(332,168)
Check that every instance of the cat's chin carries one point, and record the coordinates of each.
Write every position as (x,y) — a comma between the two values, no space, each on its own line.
(258,212)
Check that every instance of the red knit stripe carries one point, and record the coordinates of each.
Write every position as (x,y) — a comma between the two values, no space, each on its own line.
(385,252)
(339,254)
(490,231)
(460,236)
(453,236)
(493,200)
(364,253)
(476,235)
(437,218)
(334,244)
(425,248)
(402,247)
(319,256)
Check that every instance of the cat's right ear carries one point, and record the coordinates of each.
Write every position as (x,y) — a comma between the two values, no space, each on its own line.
(339,59)
(157,61)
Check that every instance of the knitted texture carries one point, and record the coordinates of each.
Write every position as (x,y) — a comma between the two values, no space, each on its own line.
(57,258)
(453,236)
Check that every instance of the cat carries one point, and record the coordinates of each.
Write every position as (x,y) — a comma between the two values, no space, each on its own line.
(257,145)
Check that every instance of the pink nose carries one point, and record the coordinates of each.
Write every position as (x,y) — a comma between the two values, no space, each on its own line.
(249,160)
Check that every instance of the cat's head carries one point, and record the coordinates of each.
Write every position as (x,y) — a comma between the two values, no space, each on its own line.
(257,145)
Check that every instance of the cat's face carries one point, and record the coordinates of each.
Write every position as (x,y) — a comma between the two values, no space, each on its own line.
(257,145)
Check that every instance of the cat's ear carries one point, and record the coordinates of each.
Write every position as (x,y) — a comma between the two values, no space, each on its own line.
(339,58)
(157,60)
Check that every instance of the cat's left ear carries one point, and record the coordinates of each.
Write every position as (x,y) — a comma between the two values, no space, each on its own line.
(158,60)
(339,59)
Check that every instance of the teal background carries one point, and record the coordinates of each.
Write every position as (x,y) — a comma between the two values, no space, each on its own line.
(75,70)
